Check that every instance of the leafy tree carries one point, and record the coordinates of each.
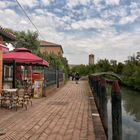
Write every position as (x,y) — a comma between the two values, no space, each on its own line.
(119,68)
(27,39)
(113,65)
(103,66)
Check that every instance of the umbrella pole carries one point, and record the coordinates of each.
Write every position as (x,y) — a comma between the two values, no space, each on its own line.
(14,74)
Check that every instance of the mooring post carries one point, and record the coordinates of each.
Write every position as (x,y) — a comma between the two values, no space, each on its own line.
(116,112)
(100,97)
(104,106)
(95,88)
(93,85)
(97,91)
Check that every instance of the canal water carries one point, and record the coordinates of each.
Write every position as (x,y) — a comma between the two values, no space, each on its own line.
(130,114)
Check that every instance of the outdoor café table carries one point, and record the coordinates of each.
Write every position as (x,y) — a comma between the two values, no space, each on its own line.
(10,93)
(10,90)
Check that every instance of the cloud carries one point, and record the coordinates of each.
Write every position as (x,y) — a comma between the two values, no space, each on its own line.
(116,12)
(128,19)
(2,5)
(46,2)
(39,11)
(73,3)
(29,3)
(99,5)
(5,4)
(112,2)
(91,23)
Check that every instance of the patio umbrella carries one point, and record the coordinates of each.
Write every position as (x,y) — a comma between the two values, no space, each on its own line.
(23,55)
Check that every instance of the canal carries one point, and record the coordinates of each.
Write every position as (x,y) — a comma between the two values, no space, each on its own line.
(130,114)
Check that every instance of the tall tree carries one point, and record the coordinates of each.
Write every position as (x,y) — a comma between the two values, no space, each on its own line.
(27,39)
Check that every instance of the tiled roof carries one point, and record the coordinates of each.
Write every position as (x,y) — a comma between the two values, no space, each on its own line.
(7,34)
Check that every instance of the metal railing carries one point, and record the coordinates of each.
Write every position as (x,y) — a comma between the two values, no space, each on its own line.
(52,75)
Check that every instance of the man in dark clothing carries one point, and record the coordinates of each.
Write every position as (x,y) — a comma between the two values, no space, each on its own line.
(72,76)
(77,77)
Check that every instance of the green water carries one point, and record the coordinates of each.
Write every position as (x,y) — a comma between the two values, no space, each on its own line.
(130,114)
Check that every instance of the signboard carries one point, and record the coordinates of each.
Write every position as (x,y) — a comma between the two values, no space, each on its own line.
(38,86)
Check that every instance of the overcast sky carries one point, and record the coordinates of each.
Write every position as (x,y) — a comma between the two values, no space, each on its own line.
(107,28)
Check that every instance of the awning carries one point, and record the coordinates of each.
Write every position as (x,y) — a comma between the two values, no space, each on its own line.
(24,56)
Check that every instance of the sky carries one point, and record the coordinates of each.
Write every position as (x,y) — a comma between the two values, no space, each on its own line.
(106,28)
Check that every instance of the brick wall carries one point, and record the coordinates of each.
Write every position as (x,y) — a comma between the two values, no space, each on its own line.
(1,66)
(1,63)
(55,50)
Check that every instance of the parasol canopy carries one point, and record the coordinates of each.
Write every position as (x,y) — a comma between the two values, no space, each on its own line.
(23,55)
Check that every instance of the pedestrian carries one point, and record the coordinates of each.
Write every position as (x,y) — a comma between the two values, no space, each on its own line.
(72,76)
(77,77)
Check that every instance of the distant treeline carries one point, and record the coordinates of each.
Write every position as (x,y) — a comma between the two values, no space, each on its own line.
(129,71)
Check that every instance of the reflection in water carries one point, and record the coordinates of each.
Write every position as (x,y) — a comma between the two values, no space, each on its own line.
(131,103)
(130,114)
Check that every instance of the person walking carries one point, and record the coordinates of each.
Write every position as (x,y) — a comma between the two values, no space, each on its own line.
(72,76)
(77,77)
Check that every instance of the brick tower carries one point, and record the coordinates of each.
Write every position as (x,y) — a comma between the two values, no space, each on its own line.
(91,59)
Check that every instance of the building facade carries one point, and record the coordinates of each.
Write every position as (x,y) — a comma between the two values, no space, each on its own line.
(4,37)
(51,48)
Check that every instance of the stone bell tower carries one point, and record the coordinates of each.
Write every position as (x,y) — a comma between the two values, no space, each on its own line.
(91,59)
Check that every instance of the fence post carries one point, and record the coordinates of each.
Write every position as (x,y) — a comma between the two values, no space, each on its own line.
(116,112)
(94,85)
(104,106)
(57,77)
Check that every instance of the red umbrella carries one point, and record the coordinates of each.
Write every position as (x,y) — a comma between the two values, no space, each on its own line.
(23,55)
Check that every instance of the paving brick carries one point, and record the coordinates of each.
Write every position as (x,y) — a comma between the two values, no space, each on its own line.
(63,115)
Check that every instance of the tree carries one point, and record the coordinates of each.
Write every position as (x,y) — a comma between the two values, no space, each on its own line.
(113,65)
(28,40)
(119,68)
(103,65)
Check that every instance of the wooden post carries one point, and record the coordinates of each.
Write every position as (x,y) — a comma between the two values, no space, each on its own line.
(57,77)
(100,98)
(93,85)
(104,105)
(116,112)
(14,74)
(98,93)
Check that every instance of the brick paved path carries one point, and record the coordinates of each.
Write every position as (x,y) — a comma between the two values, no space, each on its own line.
(64,115)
